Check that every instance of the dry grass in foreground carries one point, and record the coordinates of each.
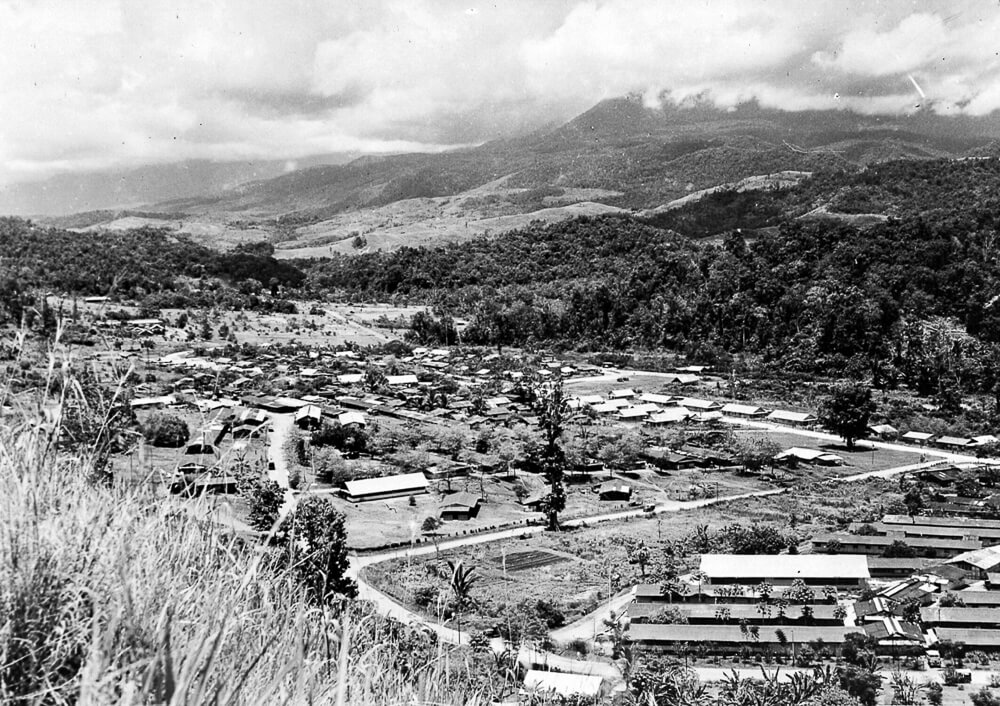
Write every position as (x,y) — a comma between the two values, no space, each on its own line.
(112,596)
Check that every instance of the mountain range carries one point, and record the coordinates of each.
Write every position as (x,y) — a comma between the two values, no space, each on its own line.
(618,155)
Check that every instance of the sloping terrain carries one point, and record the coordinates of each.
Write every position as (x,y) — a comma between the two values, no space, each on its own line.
(618,155)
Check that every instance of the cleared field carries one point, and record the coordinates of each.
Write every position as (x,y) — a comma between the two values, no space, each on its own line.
(376,523)
(533,559)
(597,557)
(861,459)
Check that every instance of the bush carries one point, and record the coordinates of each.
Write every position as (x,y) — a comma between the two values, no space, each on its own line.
(166,430)
(424,596)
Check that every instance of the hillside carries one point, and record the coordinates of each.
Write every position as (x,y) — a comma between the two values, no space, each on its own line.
(116,189)
(650,156)
(617,155)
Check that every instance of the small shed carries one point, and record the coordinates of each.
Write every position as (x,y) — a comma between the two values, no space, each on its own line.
(614,491)
(309,417)
(917,437)
(783,416)
(460,506)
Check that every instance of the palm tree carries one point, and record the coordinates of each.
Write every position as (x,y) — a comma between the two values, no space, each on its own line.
(461,586)
(782,639)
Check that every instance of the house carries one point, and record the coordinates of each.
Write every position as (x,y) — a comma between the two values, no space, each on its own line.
(346,419)
(876,545)
(153,402)
(849,570)
(960,617)
(891,633)
(611,490)
(881,567)
(876,608)
(912,589)
(459,506)
(715,613)
(668,460)
(402,485)
(698,405)
(565,685)
(709,457)
(969,523)
(744,411)
(660,400)
(916,437)
(982,640)
(782,416)
(984,535)
(632,414)
(624,394)
(883,431)
(702,593)
(954,442)
(729,639)
(671,415)
(401,380)
(798,454)
(309,417)
(979,562)
(972,599)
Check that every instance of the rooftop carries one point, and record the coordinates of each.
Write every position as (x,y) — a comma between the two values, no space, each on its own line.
(803,566)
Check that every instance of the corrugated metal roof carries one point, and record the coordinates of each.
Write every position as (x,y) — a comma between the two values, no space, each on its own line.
(387,484)
(849,566)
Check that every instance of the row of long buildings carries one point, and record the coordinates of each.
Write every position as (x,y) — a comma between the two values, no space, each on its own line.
(748,602)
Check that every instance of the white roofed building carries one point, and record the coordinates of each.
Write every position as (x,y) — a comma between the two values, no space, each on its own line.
(386,487)
(782,569)
(783,416)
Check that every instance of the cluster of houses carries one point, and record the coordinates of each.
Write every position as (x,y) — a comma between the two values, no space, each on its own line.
(627,405)
(780,604)
(888,432)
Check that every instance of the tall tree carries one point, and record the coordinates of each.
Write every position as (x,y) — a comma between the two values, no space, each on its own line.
(847,411)
(317,547)
(553,460)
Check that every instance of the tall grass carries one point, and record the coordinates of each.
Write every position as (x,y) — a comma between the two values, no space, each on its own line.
(112,594)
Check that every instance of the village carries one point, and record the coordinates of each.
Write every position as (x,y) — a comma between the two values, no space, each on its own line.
(424,451)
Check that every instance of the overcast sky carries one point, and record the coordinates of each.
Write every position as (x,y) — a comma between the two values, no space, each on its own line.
(89,84)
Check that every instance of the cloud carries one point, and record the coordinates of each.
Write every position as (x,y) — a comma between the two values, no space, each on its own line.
(99,83)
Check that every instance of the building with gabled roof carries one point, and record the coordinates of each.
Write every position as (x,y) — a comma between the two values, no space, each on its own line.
(459,506)
(784,416)
(397,486)
(746,411)
(727,639)
(778,569)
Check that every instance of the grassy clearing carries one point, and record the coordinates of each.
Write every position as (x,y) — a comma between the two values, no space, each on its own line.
(597,558)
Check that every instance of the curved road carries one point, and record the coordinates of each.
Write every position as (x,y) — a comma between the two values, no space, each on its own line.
(587,626)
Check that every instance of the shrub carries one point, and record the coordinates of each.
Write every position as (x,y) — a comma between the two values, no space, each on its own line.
(166,430)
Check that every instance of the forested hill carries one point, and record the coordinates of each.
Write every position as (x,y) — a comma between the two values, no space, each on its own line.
(813,295)
(647,155)
(136,265)
(899,189)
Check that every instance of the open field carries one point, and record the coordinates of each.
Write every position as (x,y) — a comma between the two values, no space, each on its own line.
(594,556)
(861,459)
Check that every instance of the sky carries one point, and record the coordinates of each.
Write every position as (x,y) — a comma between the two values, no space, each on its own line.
(96,84)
